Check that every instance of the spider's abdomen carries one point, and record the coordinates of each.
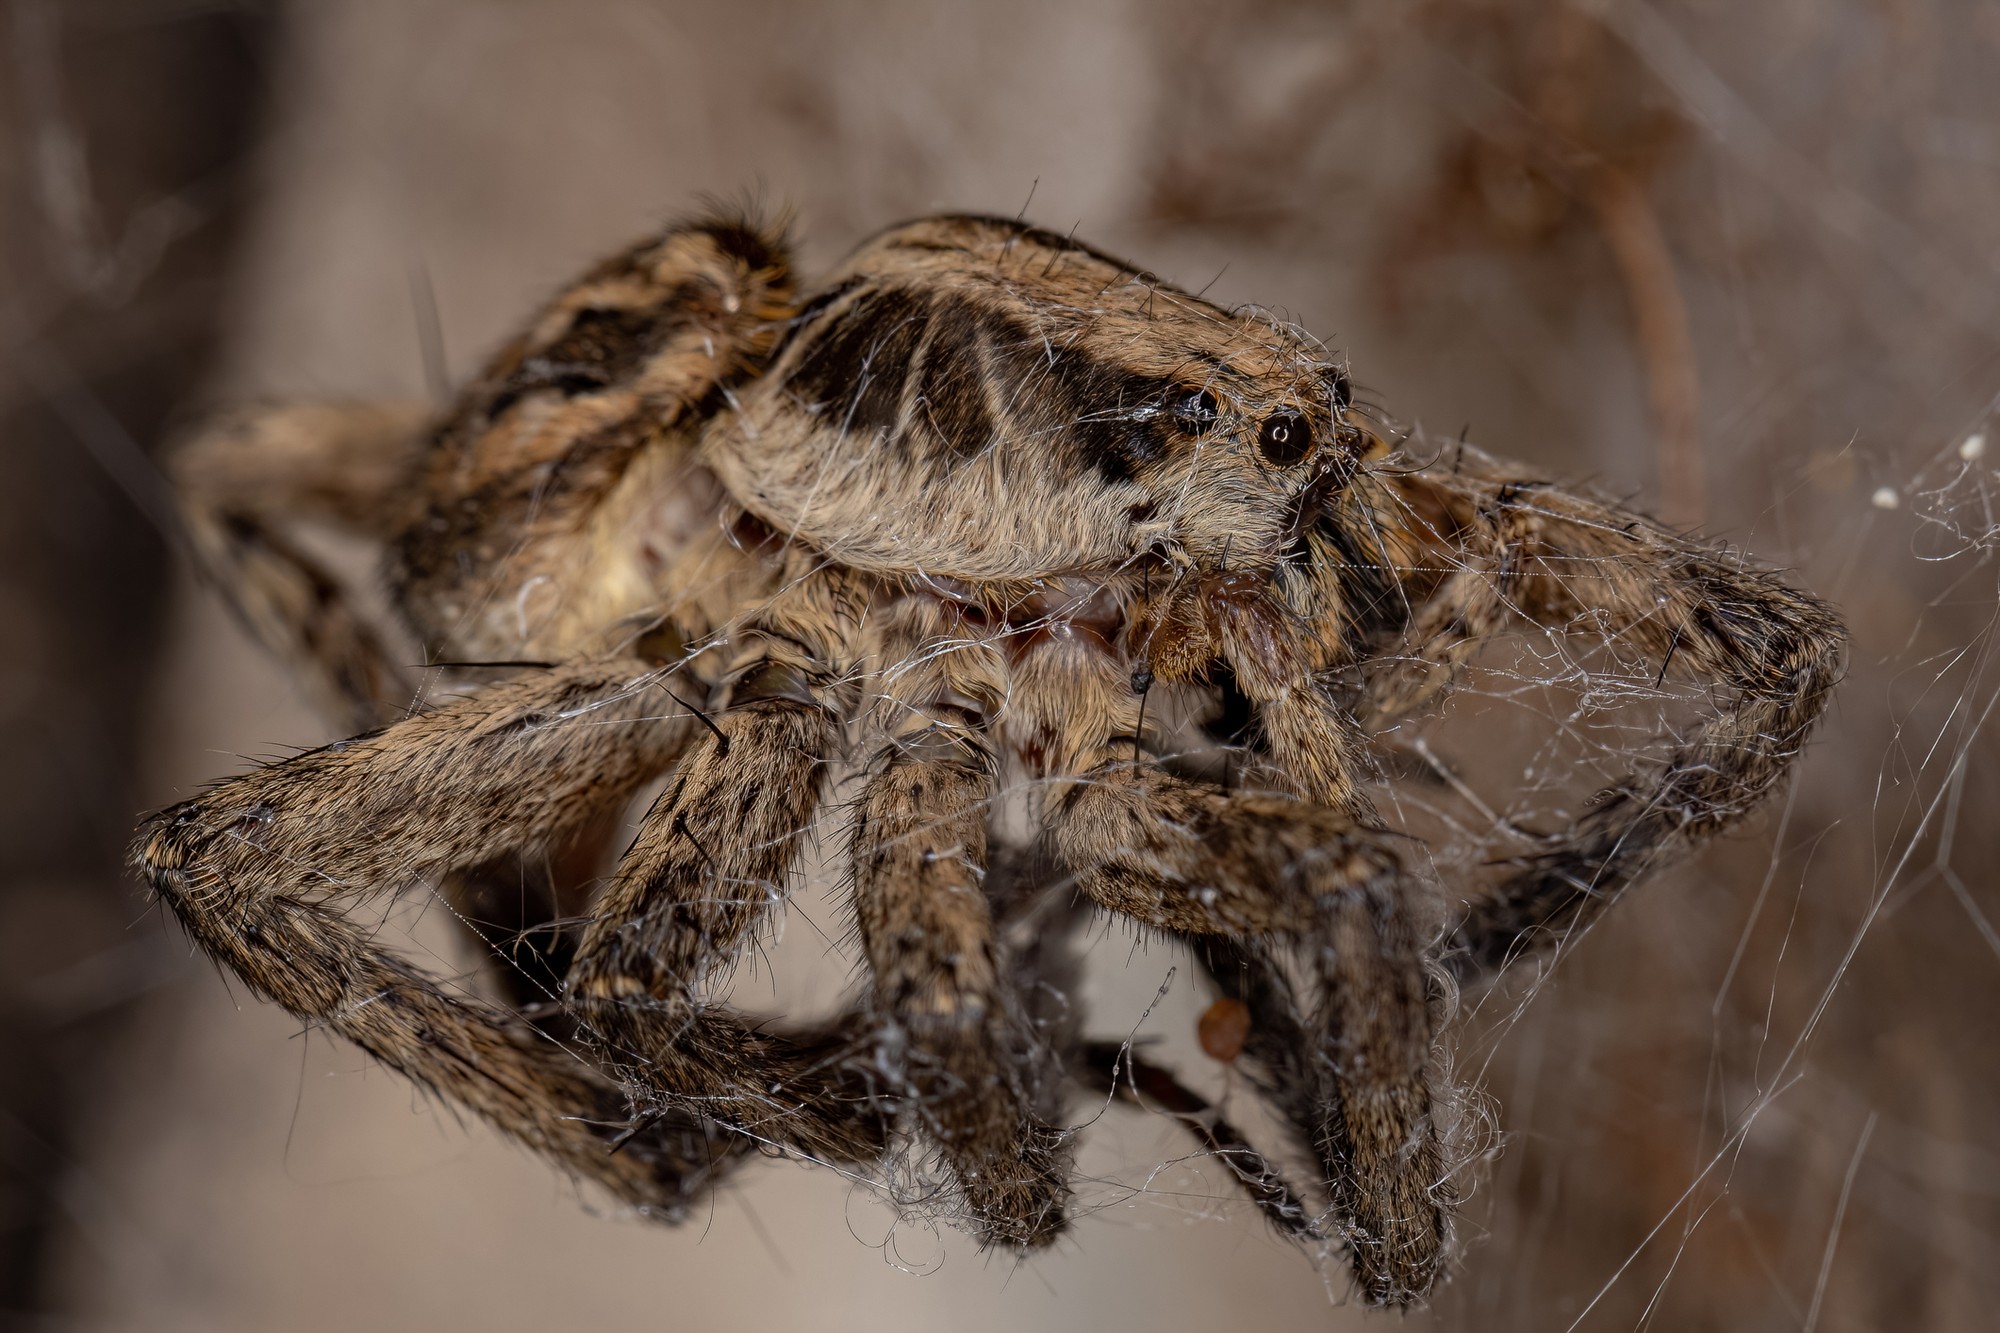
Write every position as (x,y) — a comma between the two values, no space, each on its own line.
(560,492)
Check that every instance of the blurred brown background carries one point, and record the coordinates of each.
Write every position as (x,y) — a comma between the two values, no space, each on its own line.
(1735,261)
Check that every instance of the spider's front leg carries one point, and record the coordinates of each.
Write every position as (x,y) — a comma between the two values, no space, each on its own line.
(1474,549)
(1263,870)
(262,869)
(1186,858)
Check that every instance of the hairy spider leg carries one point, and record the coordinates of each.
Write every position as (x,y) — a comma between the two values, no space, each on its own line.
(244,479)
(1294,1076)
(1187,858)
(262,868)
(1522,549)
(949,1030)
(711,860)
(244,483)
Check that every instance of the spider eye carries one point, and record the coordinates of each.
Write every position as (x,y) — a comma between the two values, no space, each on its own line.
(1285,438)
(1195,410)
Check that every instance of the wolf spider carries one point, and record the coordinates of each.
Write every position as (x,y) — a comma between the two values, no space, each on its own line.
(953,520)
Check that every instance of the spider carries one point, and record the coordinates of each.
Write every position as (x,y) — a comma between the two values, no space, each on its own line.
(987,512)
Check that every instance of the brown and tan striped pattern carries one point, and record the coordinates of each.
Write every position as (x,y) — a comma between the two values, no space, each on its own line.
(990,507)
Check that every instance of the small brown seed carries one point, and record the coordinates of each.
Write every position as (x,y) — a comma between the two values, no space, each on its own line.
(1224,1027)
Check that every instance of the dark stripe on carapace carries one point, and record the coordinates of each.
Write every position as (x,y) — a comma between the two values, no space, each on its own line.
(856,361)
(1114,418)
(811,311)
(952,379)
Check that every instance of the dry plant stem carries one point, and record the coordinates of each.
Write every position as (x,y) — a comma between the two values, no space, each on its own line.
(1613,178)
(1666,347)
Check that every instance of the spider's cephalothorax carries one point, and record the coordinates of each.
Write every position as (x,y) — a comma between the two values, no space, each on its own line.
(950,522)
(982,402)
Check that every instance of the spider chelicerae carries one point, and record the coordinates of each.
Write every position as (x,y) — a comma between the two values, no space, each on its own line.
(988,511)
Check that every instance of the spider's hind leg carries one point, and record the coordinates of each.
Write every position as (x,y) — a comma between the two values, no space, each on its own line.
(263,869)
(710,861)
(245,478)
(954,1036)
